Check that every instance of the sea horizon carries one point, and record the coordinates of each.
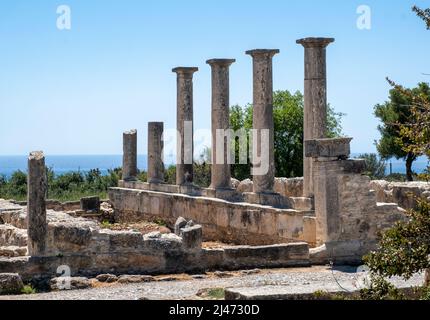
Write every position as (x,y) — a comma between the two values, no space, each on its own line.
(62,164)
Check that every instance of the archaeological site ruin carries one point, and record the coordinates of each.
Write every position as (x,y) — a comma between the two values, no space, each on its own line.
(331,215)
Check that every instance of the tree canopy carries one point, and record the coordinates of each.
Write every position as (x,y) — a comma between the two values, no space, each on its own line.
(288,122)
(392,114)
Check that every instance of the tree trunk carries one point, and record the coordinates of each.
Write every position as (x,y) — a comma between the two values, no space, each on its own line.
(410,158)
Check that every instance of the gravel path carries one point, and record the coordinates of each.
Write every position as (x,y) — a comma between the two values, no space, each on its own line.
(303,279)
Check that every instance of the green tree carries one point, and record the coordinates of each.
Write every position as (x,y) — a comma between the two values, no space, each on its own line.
(288,123)
(392,114)
(405,248)
(375,167)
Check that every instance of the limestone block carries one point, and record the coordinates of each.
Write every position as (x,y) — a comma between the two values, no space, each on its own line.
(180,223)
(90,204)
(289,187)
(192,237)
(309,230)
(234,183)
(10,283)
(327,148)
(69,283)
(245,186)
(106,277)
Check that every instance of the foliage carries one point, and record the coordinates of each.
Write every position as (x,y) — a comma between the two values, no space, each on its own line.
(395,114)
(375,167)
(288,123)
(380,289)
(65,187)
(405,248)
(28,289)
(170,175)
(424,14)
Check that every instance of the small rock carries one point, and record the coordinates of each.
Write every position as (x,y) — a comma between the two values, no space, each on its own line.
(223,274)
(69,283)
(234,183)
(153,235)
(167,278)
(253,271)
(135,279)
(190,224)
(245,186)
(192,237)
(10,283)
(199,276)
(108,278)
(180,223)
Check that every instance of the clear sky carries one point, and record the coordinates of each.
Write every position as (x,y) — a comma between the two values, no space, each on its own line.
(75,91)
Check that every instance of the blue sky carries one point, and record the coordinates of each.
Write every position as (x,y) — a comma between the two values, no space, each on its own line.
(75,91)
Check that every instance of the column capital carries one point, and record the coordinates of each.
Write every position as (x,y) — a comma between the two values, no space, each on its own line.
(221,62)
(185,70)
(262,52)
(36,155)
(133,131)
(315,42)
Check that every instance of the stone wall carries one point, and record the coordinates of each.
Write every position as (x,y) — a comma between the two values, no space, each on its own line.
(287,187)
(348,217)
(89,250)
(239,223)
(402,193)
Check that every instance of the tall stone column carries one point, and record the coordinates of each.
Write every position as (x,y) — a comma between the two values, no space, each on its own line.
(129,160)
(184,125)
(220,170)
(263,120)
(36,204)
(315,96)
(155,152)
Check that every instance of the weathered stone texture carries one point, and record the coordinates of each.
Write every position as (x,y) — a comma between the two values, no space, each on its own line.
(240,223)
(315,99)
(90,204)
(220,169)
(402,193)
(36,206)
(10,283)
(184,120)
(331,148)
(155,152)
(129,160)
(263,117)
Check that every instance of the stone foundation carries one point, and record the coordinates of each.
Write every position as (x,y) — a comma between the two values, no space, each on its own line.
(89,250)
(402,193)
(229,222)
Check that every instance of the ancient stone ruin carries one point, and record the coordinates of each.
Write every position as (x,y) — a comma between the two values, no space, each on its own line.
(333,214)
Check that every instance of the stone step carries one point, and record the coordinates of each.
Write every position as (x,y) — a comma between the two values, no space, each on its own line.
(12,236)
(16,218)
(13,251)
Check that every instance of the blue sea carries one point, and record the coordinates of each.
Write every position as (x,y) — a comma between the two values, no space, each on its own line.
(84,163)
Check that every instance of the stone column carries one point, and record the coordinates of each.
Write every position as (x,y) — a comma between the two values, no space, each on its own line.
(129,160)
(263,120)
(220,170)
(315,96)
(184,125)
(155,152)
(36,204)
